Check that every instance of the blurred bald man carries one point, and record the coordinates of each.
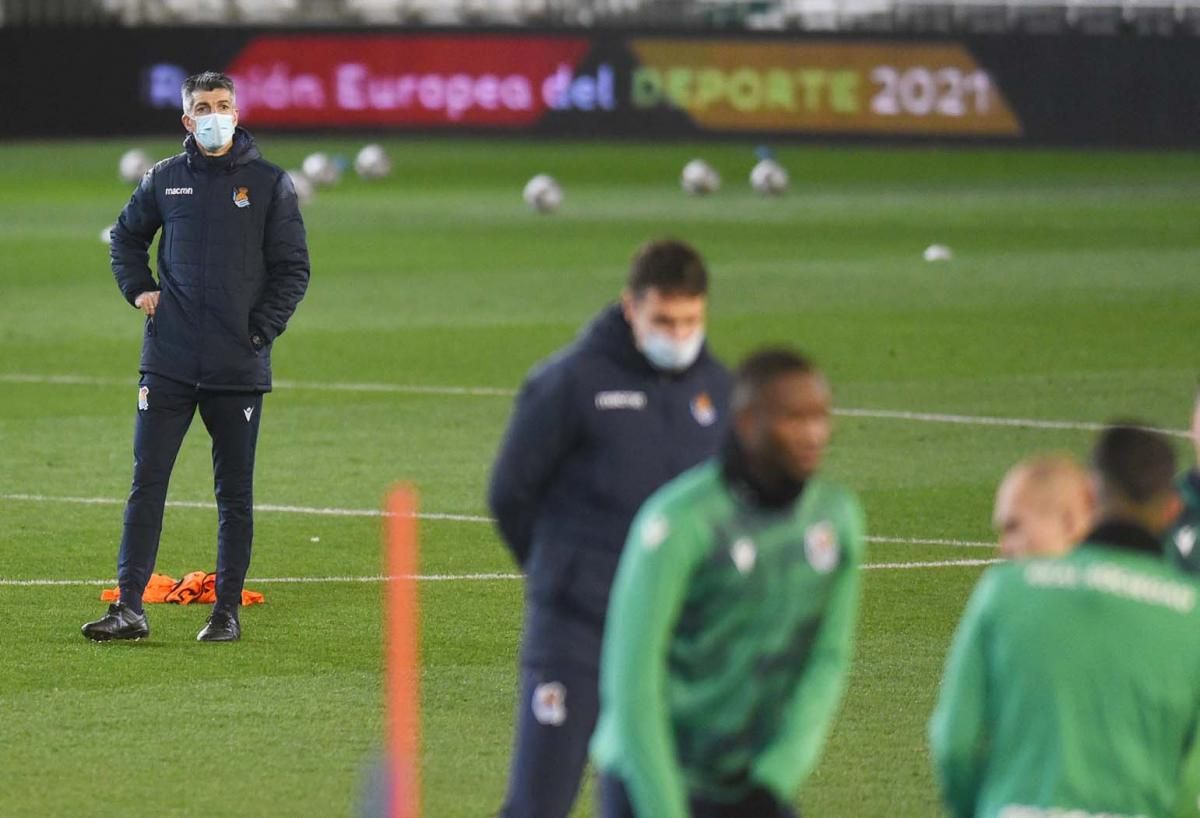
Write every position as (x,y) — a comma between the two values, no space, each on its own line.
(1045,505)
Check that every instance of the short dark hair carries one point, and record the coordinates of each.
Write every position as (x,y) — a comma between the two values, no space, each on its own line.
(763,367)
(670,266)
(1134,461)
(204,81)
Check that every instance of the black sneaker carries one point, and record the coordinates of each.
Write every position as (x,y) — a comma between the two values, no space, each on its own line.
(119,623)
(222,626)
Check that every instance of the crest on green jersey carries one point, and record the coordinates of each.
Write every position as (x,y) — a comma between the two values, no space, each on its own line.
(744,554)
(821,547)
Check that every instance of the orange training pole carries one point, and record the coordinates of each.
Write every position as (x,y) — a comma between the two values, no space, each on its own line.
(403,653)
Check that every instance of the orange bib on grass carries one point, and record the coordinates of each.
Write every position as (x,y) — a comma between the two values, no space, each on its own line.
(194,587)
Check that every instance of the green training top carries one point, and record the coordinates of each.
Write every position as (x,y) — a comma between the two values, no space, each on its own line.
(728,640)
(1183,539)
(1072,686)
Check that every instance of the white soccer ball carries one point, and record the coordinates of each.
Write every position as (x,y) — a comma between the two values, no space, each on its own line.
(106,234)
(700,178)
(543,194)
(769,178)
(372,162)
(322,169)
(938,252)
(304,186)
(133,166)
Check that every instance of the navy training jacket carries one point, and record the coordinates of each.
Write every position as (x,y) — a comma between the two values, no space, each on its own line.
(232,263)
(595,432)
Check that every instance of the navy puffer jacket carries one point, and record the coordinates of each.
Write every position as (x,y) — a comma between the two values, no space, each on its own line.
(595,431)
(232,264)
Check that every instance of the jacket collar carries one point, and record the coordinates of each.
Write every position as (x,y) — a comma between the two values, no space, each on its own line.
(243,151)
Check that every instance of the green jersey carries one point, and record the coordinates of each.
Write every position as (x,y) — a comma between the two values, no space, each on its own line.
(1182,539)
(1072,686)
(727,643)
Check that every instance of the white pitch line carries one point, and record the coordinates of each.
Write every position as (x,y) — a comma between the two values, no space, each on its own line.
(888,566)
(986,420)
(931,541)
(495,577)
(435,516)
(263,507)
(492,392)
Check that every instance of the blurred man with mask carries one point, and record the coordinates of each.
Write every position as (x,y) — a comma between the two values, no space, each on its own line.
(731,623)
(232,267)
(1043,508)
(597,428)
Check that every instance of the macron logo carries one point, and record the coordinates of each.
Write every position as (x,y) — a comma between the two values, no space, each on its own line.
(179,191)
(620,400)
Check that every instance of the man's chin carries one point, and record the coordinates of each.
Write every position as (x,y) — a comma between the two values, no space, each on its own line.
(804,468)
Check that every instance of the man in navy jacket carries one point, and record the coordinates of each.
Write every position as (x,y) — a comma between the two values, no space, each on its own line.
(597,428)
(232,266)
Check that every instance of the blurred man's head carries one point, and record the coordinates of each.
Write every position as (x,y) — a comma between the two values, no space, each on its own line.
(782,418)
(1044,507)
(1134,471)
(664,302)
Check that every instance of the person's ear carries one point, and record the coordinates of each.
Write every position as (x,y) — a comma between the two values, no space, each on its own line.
(1172,507)
(745,421)
(627,304)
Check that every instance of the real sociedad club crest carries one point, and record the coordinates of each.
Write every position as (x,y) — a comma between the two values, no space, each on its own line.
(821,547)
(241,196)
(703,410)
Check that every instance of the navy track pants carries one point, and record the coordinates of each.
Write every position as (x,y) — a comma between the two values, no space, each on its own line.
(165,411)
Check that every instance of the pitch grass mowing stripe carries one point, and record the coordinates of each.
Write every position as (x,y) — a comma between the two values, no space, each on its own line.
(487,391)
(39,583)
(371,512)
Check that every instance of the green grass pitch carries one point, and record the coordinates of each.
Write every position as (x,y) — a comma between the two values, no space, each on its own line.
(1072,296)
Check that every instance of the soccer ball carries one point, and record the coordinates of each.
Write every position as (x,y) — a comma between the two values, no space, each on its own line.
(372,162)
(543,194)
(699,178)
(321,169)
(133,166)
(938,252)
(769,177)
(106,234)
(303,185)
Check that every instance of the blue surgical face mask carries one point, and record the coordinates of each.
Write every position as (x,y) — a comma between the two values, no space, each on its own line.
(213,131)
(665,353)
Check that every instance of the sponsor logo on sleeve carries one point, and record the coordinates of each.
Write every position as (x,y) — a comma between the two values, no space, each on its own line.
(654,532)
